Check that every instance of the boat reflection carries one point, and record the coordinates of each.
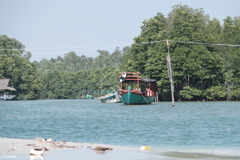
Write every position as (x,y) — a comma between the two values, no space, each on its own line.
(36,157)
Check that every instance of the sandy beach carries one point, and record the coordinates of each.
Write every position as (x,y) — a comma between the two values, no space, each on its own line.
(11,148)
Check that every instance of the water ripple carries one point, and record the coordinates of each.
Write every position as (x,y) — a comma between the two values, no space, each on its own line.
(189,124)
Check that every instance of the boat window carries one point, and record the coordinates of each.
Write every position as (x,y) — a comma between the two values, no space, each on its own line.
(143,87)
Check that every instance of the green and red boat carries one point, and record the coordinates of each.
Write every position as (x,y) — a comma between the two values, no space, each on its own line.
(136,91)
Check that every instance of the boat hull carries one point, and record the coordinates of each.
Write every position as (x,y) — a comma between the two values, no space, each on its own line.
(111,98)
(36,151)
(110,101)
(6,97)
(130,98)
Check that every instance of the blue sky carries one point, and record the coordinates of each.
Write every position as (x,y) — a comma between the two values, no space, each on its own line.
(49,28)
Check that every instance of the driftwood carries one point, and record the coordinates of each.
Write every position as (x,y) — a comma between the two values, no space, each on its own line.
(102,148)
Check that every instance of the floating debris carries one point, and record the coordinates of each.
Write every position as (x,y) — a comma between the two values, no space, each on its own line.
(49,140)
(102,148)
(145,148)
(38,139)
(44,140)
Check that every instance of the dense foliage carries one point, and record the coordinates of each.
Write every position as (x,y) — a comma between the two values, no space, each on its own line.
(200,72)
(61,84)
(73,75)
(15,65)
(72,62)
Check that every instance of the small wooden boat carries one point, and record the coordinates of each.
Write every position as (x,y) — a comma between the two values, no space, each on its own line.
(136,91)
(111,98)
(37,151)
(6,96)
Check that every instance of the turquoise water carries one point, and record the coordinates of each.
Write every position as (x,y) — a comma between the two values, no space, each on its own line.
(188,125)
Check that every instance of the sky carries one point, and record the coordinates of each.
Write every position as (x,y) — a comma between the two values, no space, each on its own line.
(51,28)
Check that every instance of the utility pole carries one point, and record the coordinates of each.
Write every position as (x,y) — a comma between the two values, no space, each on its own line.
(170,73)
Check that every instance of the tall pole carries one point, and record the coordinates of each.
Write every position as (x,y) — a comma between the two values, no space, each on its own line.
(4,96)
(170,73)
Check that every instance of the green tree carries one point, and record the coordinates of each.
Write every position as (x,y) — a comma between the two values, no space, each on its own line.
(18,69)
(198,70)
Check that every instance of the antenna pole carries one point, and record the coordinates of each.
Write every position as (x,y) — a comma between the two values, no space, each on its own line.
(170,73)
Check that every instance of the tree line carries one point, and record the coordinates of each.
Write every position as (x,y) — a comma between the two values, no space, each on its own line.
(65,77)
(71,62)
(200,71)
(72,75)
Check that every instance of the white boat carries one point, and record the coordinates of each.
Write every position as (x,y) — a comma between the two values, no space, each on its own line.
(6,97)
(37,151)
(111,98)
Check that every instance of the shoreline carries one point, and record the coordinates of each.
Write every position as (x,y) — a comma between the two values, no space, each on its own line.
(22,146)
(153,103)
(14,148)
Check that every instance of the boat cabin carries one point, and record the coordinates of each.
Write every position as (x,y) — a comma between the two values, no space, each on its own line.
(132,81)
